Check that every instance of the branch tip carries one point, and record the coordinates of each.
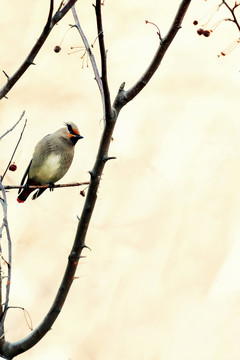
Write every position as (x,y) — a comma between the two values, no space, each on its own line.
(5,74)
(122,86)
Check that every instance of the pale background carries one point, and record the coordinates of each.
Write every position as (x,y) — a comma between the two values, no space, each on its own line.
(162,280)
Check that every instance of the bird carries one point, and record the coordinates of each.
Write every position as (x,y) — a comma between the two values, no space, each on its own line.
(51,160)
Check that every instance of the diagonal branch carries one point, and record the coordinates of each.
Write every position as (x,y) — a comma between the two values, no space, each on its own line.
(20,137)
(23,113)
(123,97)
(103,54)
(51,21)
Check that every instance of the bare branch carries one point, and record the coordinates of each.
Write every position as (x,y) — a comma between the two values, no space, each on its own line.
(107,97)
(9,262)
(14,150)
(232,11)
(11,350)
(56,186)
(124,97)
(91,56)
(23,113)
(51,21)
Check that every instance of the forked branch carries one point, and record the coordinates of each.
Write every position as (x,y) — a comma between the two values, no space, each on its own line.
(111,113)
(123,97)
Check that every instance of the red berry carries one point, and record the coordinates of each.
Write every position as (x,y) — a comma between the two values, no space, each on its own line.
(13,167)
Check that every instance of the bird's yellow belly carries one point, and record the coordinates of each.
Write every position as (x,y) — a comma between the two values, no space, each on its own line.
(50,170)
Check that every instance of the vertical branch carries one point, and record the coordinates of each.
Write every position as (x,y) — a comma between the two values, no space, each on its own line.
(98,10)
(91,56)
(9,261)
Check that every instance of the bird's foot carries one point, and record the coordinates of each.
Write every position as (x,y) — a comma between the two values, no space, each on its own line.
(51,186)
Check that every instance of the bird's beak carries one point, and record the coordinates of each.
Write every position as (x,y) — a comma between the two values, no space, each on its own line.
(76,136)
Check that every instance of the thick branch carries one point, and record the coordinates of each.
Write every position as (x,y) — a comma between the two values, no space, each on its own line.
(124,97)
(51,21)
(12,349)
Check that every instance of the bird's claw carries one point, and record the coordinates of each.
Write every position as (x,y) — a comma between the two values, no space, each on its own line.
(51,186)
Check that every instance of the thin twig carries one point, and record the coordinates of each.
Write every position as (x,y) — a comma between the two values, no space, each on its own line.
(20,137)
(107,97)
(23,113)
(124,97)
(232,11)
(91,56)
(9,262)
(56,186)
(51,21)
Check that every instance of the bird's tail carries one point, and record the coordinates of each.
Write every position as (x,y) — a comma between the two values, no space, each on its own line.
(24,195)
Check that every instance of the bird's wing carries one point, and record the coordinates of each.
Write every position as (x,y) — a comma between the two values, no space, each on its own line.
(25,175)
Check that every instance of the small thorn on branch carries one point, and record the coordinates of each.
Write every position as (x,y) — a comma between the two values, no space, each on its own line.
(158,32)
(122,86)
(5,74)
(109,158)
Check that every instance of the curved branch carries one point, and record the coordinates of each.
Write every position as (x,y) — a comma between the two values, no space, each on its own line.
(51,21)
(123,97)
(10,350)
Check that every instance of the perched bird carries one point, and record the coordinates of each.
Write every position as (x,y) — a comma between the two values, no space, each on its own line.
(51,160)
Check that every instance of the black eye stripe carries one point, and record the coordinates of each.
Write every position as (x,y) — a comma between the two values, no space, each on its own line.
(70,129)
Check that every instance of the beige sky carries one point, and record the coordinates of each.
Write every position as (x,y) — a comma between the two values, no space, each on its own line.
(161,281)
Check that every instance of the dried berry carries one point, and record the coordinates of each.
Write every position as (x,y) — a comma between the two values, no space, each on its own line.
(13,167)
(195,22)
(200,31)
(206,33)
(57,49)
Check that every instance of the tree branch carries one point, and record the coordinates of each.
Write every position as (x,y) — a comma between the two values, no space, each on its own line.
(51,21)
(56,186)
(107,97)
(13,127)
(9,263)
(91,56)
(123,97)
(14,150)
